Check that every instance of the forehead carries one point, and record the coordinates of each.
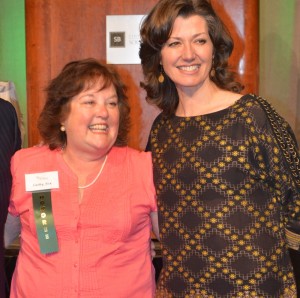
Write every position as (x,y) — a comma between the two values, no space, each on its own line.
(97,83)
(100,90)
(193,23)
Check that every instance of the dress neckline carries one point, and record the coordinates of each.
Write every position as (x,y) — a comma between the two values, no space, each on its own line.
(216,112)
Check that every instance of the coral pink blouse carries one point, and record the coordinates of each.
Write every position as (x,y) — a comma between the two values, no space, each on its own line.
(103,241)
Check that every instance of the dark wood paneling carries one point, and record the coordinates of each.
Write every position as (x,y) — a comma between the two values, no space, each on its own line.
(60,31)
(241,18)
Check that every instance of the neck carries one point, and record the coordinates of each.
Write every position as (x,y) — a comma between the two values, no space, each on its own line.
(83,166)
(81,159)
(96,178)
(196,101)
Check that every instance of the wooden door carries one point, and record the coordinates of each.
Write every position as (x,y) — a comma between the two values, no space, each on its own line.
(60,31)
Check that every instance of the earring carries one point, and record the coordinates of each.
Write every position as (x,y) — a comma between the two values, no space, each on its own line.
(213,70)
(62,128)
(161,77)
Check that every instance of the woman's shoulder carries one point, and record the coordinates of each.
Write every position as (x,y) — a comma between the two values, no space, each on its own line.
(261,111)
(137,160)
(251,99)
(131,153)
(160,120)
(33,159)
(34,154)
(252,103)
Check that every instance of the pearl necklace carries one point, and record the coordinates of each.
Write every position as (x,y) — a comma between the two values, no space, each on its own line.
(98,175)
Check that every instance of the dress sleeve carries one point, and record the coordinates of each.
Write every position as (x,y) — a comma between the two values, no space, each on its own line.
(147,170)
(272,143)
(148,145)
(294,198)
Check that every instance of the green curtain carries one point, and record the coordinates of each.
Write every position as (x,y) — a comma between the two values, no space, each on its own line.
(279,49)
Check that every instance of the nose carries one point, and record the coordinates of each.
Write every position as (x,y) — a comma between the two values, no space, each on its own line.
(101,111)
(188,52)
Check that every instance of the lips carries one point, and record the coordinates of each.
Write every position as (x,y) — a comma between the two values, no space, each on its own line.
(98,127)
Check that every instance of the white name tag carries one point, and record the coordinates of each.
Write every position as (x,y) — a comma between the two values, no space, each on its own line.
(41,181)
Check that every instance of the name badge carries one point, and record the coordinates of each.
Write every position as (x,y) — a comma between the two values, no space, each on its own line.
(41,181)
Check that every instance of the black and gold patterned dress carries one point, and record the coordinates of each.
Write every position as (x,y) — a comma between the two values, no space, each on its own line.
(224,194)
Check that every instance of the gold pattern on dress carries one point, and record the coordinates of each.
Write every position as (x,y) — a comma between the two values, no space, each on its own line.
(214,227)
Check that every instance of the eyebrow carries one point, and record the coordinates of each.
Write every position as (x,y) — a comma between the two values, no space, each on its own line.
(112,96)
(92,95)
(193,36)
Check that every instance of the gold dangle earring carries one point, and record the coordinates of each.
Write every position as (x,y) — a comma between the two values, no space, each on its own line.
(212,70)
(161,77)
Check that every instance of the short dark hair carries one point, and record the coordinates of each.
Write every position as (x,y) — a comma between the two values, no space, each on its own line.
(155,31)
(75,77)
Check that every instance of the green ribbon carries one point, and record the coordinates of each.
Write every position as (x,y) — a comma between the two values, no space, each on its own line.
(44,221)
